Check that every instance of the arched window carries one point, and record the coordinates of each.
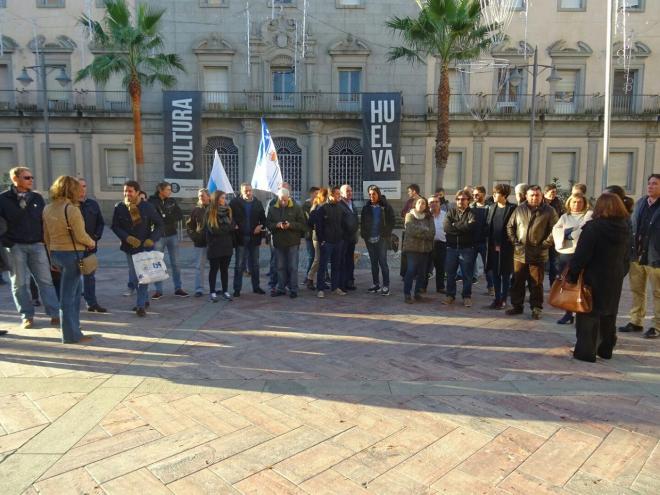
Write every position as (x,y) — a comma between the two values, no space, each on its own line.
(345,165)
(228,156)
(290,158)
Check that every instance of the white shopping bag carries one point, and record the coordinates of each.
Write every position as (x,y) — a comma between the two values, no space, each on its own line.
(150,267)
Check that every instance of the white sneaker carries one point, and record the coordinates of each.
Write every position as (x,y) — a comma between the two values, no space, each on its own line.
(320,294)
(339,292)
(213,297)
(226,296)
(129,293)
(385,291)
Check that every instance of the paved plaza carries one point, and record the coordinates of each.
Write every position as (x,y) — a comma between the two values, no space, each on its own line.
(342,395)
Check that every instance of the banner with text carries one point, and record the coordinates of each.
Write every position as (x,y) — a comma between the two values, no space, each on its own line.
(182,111)
(381,127)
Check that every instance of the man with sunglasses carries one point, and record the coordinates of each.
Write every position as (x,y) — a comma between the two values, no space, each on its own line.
(22,209)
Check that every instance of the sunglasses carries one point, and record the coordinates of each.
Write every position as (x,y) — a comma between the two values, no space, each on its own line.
(27,177)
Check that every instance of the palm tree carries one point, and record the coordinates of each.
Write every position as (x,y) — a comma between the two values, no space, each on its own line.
(450,30)
(131,46)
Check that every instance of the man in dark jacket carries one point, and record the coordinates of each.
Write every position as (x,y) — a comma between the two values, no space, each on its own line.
(480,209)
(249,215)
(459,226)
(22,209)
(286,222)
(350,228)
(169,211)
(329,225)
(645,263)
(138,226)
(4,261)
(272,271)
(530,231)
(94,224)
(376,225)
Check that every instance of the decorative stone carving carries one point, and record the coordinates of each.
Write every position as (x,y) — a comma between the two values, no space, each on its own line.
(350,45)
(61,44)
(9,44)
(507,50)
(639,49)
(560,49)
(214,44)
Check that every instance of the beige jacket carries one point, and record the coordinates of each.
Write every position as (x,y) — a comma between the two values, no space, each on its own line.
(56,234)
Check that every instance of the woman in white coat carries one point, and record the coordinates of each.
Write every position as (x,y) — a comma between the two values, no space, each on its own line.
(566,233)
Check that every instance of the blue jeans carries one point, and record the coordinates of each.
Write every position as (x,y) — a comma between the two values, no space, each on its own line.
(142,289)
(70,289)
(309,245)
(200,265)
(463,257)
(330,252)
(287,268)
(89,289)
(378,257)
(172,244)
(415,270)
(246,255)
(31,258)
(481,249)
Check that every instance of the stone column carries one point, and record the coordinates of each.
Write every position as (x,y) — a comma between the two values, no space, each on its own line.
(85,131)
(649,161)
(593,160)
(536,154)
(477,160)
(314,155)
(250,150)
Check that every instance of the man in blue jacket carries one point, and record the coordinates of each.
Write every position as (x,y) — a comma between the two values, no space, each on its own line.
(22,209)
(645,264)
(138,226)
(94,224)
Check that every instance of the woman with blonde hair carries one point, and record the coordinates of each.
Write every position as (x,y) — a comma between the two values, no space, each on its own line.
(566,234)
(320,199)
(220,237)
(64,236)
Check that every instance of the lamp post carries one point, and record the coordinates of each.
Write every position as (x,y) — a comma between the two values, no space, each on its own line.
(515,79)
(42,70)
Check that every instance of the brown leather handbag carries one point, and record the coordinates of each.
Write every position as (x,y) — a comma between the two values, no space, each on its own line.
(575,298)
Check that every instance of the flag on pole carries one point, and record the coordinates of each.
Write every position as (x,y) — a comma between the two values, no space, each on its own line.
(218,180)
(267,174)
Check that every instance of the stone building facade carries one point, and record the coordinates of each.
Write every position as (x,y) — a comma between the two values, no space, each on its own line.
(310,94)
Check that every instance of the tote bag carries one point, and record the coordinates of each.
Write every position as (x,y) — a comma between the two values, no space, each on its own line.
(150,267)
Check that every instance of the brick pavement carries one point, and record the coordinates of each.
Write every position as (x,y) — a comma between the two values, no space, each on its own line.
(356,394)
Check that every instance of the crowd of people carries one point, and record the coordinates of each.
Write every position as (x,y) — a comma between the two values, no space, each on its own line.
(517,243)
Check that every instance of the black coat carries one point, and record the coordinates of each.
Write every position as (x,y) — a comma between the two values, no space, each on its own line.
(169,211)
(151,226)
(257,217)
(602,253)
(24,225)
(387,220)
(94,223)
(220,240)
(195,226)
(351,223)
(505,253)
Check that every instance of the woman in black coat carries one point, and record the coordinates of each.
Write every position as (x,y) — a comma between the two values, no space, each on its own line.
(602,253)
(220,237)
(499,258)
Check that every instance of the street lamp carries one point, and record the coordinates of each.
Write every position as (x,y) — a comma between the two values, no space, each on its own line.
(41,71)
(515,79)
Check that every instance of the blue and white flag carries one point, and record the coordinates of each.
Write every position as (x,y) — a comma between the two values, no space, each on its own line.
(267,174)
(218,180)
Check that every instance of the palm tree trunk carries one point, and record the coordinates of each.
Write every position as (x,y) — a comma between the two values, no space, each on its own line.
(442,134)
(135,91)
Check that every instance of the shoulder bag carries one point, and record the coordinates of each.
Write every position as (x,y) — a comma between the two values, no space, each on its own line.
(87,264)
(571,297)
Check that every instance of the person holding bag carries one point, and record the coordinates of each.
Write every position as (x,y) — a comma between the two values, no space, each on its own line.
(566,234)
(601,254)
(64,235)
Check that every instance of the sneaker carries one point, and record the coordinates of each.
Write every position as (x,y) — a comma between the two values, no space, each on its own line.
(213,297)
(237,293)
(467,302)
(631,327)
(536,313)
(385,291)
(475,280)
(199,294)
(448,301)
(293,295)
(27,323)
(651,333)
(226,296)
(514,311)
(129,293)
(407,299)
(181,293)
(55,321)
(141,312)
(259,290)
(156,295)
(96,308)
(373,289)
(320,294)
(339,292)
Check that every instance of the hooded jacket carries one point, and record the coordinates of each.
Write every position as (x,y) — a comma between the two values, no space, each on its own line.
(602,253)
(169,211)
(530,232)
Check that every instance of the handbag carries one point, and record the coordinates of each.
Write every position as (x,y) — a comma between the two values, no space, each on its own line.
(87,264)
(575,298)
(150,267)
(394,243)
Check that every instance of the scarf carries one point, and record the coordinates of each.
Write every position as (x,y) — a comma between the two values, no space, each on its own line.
(418,216)
(133,210)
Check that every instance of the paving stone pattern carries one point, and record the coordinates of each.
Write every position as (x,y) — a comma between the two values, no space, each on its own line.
(342,395)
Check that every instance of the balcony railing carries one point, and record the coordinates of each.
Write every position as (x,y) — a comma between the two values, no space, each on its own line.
(262,102)
(67,101)
(555,104)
